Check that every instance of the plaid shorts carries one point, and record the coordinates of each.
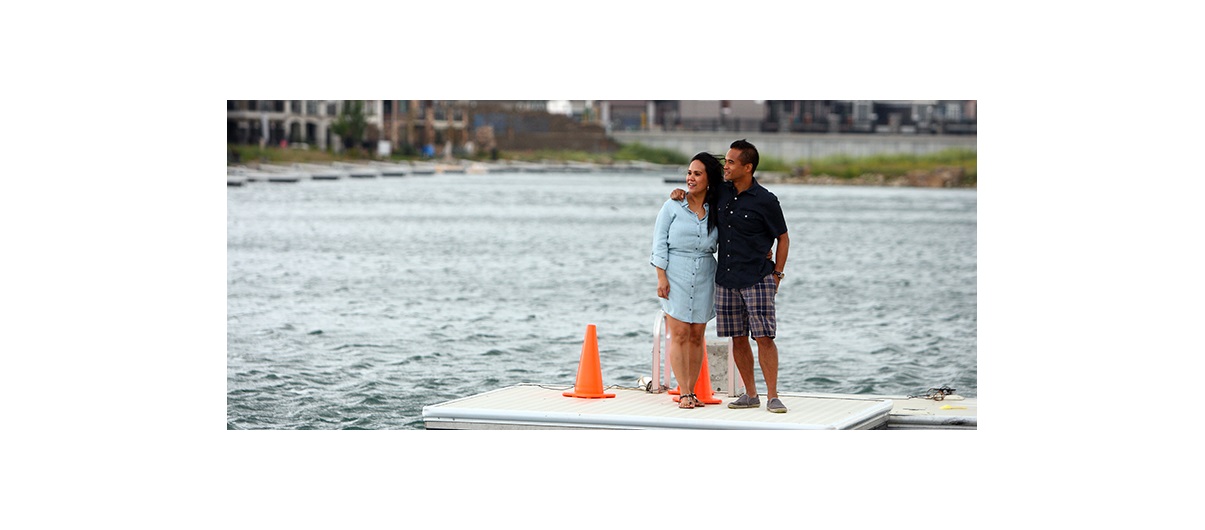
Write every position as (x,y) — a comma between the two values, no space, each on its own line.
(748,311)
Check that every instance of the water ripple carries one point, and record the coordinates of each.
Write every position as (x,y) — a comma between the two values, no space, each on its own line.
(363,306)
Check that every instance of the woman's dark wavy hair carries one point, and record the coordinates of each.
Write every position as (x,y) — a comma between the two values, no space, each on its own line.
(715,179)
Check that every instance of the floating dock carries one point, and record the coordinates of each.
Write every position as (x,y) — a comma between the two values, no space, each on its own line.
(534,406)
(588,405)
(358,171)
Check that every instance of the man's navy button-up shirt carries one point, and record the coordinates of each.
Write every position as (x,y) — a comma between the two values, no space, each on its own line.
(748,223)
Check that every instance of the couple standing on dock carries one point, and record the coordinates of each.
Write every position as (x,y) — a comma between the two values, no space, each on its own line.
(722,208)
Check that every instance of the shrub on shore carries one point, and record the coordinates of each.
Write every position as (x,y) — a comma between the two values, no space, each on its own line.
(840,166)
(639,152)
(893,165)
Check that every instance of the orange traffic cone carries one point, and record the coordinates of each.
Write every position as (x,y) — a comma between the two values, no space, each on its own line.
(589,371)
(703,389)
(703,385)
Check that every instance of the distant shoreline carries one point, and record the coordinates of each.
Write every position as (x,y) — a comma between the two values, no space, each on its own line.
(943,177)
(933,171)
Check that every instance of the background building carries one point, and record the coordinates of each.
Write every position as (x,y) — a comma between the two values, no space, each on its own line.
(466,126)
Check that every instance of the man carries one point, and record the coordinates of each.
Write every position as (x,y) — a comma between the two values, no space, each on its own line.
(750,222)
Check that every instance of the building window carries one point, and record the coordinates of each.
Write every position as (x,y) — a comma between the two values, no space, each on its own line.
(862,111)
(953,111)
(920,113)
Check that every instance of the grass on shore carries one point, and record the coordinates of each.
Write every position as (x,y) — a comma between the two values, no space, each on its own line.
(840,166)
(628,152)
(893,165)
(276,155)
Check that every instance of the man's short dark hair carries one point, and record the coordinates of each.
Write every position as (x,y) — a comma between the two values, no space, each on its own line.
(748,153)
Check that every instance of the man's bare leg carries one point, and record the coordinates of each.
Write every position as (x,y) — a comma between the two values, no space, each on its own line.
(767,357)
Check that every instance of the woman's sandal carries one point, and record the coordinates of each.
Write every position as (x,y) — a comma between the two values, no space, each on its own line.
(689,401)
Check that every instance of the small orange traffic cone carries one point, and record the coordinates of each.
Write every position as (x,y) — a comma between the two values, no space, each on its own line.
(589,371)
(703,389)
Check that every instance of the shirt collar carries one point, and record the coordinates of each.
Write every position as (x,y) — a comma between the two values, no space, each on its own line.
(686,205)
(753,188)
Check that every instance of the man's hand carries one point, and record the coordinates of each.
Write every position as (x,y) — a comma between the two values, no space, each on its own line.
(678,194)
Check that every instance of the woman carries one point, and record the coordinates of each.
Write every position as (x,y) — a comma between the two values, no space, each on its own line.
(684,244)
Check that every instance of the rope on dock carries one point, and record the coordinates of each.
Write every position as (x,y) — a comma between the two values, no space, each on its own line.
(936,394)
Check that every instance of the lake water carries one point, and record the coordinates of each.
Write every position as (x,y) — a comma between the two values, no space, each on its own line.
(351,304)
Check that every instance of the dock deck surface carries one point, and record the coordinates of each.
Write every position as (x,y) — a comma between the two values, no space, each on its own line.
(532,406)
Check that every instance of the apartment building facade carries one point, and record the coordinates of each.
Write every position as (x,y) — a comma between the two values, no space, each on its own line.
(410,126)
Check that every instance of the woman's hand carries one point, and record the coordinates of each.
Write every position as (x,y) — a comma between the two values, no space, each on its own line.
(662,287)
